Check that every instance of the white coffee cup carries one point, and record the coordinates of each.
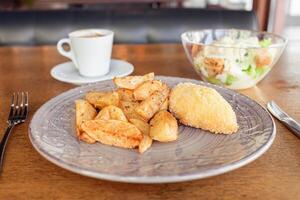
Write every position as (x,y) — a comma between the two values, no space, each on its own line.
(90,50)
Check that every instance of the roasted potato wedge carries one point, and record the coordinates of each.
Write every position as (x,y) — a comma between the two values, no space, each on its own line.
(114,140)
(132,82)
(113,132)
(163,127)
(145,143)
(128,108)
(114,127)
(165,105)
(84,137)
(143,91)
(102,99)
(143,126)
(111,112)
(84,112)
(125,94)
(110,98)
(153,103)
(92,97)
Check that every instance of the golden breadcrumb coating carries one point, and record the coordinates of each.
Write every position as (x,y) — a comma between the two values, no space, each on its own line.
(202,107)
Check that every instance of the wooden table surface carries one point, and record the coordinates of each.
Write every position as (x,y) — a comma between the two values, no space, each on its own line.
(27,175)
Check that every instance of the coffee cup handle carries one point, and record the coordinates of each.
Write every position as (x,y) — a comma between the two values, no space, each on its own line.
(63,52)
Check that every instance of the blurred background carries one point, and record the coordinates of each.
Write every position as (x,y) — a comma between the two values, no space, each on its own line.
(279,16)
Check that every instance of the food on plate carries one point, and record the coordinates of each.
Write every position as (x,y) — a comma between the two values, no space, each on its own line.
(111,112)
(132,82)
(92,97)
(153,103)
(128,108)
(125,94)
(143,126)
(205,109)
(86,138)
(110,98)
(163,127)
(141,110)
(113,132)
(84,112)
(145,144)
(102,99)
(143,91)
(234,62)
(165,105)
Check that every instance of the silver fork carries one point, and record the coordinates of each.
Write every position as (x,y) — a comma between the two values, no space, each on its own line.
(17,115)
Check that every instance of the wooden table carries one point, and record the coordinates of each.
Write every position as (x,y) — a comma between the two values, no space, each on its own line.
(27,175)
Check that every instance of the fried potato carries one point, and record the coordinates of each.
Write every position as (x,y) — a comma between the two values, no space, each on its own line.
(132,82)
(111,112)
(114,127)
(153,103)
(113,132)
(128,108)
(145,143)
(102,99)
(110,98)
(143,91)
(84,137)
(84,112)
(125,94)
(114,140)
(205,109)
(92,97)
(163,127)
(165,105)
(143,126)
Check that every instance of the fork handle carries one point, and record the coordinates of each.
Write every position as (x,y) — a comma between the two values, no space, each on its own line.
(3,144)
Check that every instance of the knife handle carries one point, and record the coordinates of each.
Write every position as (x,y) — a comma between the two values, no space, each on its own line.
(293,126)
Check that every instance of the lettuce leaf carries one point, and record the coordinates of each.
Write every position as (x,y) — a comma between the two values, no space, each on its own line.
(213,80)
(250,71)
(260,71)
(265,42)
(230,79)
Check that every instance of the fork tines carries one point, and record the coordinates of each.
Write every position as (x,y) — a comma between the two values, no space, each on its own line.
(18,108)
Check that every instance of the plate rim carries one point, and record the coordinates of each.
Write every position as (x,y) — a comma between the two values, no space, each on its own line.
(221,169)
(130,70)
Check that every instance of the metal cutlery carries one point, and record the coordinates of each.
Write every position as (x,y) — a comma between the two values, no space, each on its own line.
(289,122)
(17,115)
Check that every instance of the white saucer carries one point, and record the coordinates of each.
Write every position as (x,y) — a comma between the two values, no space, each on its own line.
(66,72)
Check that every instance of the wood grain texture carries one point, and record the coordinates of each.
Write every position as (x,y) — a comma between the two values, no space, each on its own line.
(27,175)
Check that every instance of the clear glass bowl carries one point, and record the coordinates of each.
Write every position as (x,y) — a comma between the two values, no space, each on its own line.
(234,58)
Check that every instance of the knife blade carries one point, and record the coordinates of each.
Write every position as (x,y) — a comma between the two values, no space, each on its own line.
(288,121)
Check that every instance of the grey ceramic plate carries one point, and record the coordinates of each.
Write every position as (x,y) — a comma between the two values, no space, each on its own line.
(196,154)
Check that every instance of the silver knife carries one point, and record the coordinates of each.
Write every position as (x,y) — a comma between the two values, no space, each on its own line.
(289,122)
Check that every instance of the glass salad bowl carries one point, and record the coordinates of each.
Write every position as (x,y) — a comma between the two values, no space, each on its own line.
(234,58)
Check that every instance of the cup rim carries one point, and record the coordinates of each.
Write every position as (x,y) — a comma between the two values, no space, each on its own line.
(283,44)
(76,33)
